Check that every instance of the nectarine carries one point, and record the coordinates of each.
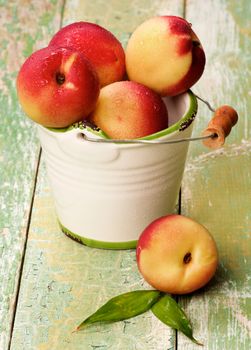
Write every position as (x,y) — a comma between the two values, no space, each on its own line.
(57,87)
(175,254)
(165,54)
(98,44)
(128,110)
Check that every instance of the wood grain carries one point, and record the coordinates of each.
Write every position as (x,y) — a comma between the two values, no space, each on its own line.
(216,189)
(24,26)
(62,281)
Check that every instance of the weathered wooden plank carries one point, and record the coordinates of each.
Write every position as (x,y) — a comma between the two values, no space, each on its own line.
(120,17)
(217,184)
(24,26)
(62,281)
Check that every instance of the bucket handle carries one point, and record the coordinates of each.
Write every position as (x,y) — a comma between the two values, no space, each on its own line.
(83,145)
(219,127)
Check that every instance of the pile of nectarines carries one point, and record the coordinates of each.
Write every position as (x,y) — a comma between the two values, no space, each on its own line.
(84,73)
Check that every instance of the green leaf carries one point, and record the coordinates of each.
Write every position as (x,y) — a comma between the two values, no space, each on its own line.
(169,312)
(123,306)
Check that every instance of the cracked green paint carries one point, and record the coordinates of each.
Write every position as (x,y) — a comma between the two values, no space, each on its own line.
(58,273)
(217,184)
(18,144)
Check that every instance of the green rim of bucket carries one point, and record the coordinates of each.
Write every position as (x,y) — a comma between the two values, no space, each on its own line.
(93,243)
(181,125)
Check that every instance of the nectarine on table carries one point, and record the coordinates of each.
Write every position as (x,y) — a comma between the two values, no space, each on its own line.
(165,54)
(176,254)
(98,44)
(129,110)
(57,87)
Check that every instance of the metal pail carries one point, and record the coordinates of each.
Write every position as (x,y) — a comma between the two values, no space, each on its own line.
(106,193)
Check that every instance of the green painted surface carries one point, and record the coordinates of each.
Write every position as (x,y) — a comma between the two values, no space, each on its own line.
(62,281)
(217,184)
(19,148)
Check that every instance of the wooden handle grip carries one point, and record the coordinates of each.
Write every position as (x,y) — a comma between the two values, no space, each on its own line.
(225,117)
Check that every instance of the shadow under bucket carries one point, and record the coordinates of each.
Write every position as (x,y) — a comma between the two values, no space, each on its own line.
(107,193)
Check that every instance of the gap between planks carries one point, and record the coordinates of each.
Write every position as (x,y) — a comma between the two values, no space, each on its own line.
(62,14)
(176,297)
(24,248)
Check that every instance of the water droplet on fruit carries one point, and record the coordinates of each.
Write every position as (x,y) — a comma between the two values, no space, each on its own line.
(43,82)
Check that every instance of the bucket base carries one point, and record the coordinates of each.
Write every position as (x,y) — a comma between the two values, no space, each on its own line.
(97,244)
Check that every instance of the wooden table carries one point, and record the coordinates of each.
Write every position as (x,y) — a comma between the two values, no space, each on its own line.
(49,283)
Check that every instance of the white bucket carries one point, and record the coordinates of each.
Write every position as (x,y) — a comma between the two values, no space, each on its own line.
(106,194)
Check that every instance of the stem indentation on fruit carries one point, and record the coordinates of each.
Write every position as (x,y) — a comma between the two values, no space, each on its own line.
(196,43)
(187,258)
(60,78)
